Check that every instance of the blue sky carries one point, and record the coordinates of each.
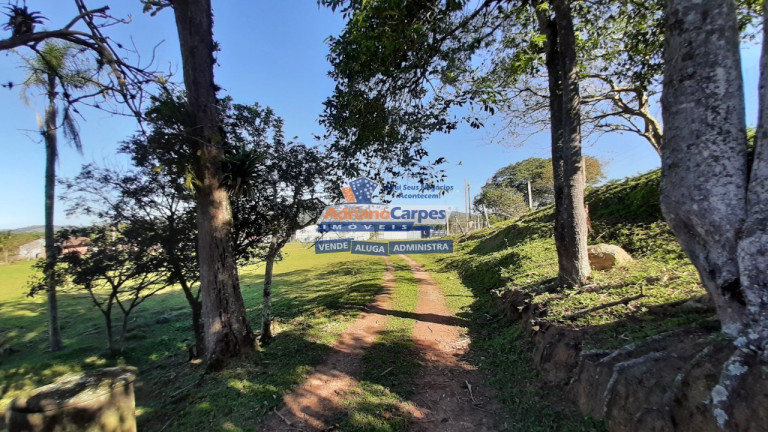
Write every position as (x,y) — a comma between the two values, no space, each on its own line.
(273,52)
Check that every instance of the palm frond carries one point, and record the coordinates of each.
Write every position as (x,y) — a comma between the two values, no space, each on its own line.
(72,131)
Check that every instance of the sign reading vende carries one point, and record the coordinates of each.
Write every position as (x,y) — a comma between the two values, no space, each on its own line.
(330,246)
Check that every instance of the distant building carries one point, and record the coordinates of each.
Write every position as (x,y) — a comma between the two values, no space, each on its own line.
(36,249)
(310,235)
(78,245)
(32,250)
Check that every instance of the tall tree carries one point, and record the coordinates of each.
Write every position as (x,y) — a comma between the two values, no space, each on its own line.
(714,200)
(56,69)
(399,68)
(538,171)
(227,332)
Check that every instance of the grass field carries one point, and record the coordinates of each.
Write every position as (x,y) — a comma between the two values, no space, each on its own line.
(315,298)
(13,279)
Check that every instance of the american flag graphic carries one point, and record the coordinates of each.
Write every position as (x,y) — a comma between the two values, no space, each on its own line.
(360,191)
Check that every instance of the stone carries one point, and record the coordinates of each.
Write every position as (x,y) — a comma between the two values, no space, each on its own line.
(100,400)
(605,256)
(641,385)
(556,352)
(599,371)
(514,303)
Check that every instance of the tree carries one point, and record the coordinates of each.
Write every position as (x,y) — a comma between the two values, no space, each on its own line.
(227,332)
(157,206)
(5,244)
(620,56)
(118,273)
(538,172)
(121,81)
(56,69)
(399,69)
(716,202)
(277,187)
(502,200)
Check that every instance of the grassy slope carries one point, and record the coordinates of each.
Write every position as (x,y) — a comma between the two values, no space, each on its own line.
(315,297)
(521,255)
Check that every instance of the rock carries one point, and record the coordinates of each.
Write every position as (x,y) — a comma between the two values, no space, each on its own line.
(514,303)
(690,409)
(599,370)
(556,352)
(639,386)
(750,401)
(100,400)
(605,256)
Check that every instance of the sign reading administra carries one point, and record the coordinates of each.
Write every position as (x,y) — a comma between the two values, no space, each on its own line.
(330,246)
(421,247)
(369,248)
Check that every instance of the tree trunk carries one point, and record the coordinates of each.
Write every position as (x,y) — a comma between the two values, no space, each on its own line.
(194,304)
(704,156)
(123,330)
(197,320)
(266,310)
(227,332)
(567,164)
(753,247)
(108,323)
(49,132)
(574,269)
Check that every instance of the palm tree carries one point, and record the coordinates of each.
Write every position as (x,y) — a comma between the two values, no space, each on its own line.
(56,71)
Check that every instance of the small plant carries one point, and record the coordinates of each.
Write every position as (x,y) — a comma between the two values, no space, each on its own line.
(21,20)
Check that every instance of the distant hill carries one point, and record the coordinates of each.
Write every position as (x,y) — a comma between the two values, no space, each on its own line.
(35,229)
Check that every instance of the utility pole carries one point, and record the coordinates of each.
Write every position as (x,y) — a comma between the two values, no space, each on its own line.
(468,199)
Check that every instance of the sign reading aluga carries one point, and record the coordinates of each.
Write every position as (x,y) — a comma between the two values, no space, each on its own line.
(421,247)
(331,246)
(369,248)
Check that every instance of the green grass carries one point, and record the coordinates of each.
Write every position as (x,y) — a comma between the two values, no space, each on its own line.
(315,298)
(389,365)
(13,279)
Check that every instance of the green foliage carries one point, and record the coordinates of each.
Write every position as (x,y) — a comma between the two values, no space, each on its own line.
(521,255)
(386,64)
(501,200)
(539,172)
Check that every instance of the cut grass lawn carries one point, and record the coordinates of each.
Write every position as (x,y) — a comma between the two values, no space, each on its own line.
(315,298)
(13,279)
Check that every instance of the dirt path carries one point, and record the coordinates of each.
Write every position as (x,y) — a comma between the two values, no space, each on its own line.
(451,394)
(316,402)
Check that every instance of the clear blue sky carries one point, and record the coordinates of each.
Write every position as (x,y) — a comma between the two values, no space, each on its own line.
(273,52)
